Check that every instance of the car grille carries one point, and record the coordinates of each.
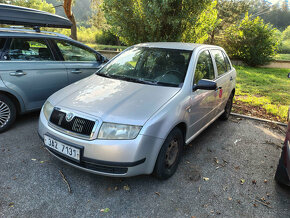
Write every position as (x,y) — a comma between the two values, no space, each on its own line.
(76,125)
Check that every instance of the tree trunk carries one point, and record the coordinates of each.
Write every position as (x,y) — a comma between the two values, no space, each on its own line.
(67,6)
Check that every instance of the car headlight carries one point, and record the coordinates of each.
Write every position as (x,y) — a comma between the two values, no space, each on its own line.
(118,131)
(47,109)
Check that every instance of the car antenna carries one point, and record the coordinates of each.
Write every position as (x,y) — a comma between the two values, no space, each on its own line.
(37,29)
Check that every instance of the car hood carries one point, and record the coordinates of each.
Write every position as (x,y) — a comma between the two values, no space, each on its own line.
(114,100)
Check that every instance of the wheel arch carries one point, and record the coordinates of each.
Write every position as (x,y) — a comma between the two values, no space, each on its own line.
(14,99)
(183,127)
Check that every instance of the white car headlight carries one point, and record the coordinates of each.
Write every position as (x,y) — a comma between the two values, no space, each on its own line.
(47,109)
(118,131)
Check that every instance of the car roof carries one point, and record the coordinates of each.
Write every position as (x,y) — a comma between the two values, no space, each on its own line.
(175,45)
(12,32)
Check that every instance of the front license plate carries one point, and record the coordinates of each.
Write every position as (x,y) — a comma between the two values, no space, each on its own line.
(62,148)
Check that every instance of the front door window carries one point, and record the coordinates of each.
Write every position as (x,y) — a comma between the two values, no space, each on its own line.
(72,52)
(204,67)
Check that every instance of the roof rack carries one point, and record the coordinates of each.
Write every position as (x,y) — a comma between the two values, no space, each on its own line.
(15,15)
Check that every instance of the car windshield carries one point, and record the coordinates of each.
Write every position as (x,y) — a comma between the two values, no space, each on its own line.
(154,66)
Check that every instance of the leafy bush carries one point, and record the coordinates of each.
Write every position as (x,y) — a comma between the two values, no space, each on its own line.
(286,33)
(150,20)
(285,47)
(251,41)
(106,38)
(90,35)
(87,34)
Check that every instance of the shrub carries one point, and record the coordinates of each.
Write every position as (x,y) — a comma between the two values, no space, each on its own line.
(106,38)
(150,20)
(251,41)
(286,33)
(285,47)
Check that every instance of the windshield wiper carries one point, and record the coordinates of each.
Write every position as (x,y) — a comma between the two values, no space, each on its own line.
(131,79)
(167,84)
(103,74)
(142,81)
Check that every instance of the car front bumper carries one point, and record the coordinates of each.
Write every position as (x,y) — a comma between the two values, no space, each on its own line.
(121,158)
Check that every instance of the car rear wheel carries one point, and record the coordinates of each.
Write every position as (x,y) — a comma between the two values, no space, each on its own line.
(169,155)
(281,175)
(228,108)
(7,113)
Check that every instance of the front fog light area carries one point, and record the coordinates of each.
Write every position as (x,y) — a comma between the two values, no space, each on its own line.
(118,131)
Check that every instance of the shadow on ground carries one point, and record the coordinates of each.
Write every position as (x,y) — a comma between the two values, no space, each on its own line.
(215,177)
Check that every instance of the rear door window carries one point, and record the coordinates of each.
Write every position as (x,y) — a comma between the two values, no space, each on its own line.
(227,62)
(25,49)
(204,67)
(220,62)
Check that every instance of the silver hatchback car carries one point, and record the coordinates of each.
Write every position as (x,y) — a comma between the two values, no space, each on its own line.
(136,113)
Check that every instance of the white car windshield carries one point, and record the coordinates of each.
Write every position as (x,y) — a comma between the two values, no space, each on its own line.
(154,66)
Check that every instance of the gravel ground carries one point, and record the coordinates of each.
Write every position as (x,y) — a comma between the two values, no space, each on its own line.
(208,181)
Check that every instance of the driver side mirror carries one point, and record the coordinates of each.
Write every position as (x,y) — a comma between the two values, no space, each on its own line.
(205,85)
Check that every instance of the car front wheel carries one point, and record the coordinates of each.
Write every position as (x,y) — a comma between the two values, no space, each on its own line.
(169,155)
(7,113)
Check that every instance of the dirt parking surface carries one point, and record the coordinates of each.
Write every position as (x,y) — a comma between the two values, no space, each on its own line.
(225,172)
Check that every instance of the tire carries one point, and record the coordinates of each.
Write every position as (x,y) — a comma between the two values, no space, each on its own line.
(7,113)
(169,155)
(281,175)
(228,108)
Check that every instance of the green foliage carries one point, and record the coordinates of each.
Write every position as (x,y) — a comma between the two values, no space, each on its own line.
(283,57)
(84,34)
(137,21)
(98,19)
(35,4)
(286,33)
(251,41)
(106,38)
(90,35)
(106,47)
(268,88)
(285,47)
(229,12)
(204,25)
(278,17)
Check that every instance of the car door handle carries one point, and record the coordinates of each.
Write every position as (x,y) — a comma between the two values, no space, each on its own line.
(231,79)
(18,73)
(76,71)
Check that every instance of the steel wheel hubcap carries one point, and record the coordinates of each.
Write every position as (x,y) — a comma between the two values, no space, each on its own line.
(4,114)
(171,153)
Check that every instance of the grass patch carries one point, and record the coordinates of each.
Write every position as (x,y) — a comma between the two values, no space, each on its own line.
(282,57)
(266,88)
(106,47)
